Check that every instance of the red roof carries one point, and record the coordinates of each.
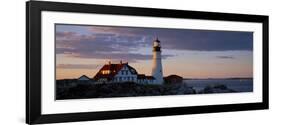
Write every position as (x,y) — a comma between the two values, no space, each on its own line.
(173,77)
(114,69)
(142,76)
(83,76)
(150,77)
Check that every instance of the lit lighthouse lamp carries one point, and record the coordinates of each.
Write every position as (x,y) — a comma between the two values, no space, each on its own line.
(157,71)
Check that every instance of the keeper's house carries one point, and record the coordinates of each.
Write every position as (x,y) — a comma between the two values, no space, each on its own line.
(120,73)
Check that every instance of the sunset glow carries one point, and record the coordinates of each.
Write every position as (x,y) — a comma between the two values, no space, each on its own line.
(83,50)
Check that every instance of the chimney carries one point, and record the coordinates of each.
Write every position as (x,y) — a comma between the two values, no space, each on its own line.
(120,61)
(109,62)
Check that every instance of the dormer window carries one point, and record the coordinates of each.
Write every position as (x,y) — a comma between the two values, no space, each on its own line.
(105,71)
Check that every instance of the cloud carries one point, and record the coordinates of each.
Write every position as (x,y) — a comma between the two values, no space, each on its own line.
(65,34)
(212,41)
(103,42)
(77,66)
(225,57)
(186,39)
(129,57)
(113,30)
(101,46)
(97,42)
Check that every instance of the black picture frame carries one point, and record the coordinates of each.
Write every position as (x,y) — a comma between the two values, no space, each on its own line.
(33,61)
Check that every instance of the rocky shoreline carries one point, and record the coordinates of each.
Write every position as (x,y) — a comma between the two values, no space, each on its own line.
(130,89)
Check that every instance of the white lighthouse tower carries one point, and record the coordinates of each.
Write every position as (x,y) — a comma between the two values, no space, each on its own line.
(157,71)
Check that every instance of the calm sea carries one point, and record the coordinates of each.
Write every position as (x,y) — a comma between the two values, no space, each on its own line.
(239,85)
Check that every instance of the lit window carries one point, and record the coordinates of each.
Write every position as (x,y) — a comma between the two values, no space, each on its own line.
(105,71)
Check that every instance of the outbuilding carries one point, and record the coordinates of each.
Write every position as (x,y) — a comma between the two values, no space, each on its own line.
(173,79)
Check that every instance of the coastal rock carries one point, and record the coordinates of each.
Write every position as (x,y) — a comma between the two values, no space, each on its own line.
(121,90)
(219,88)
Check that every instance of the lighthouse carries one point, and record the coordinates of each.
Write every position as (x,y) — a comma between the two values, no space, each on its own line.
(157,71)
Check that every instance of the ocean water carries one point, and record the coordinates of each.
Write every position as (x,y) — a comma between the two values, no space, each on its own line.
(239,85)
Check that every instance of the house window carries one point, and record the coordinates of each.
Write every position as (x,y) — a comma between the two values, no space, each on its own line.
(105,71)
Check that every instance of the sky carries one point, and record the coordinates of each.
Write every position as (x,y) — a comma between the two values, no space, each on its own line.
(84,49)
